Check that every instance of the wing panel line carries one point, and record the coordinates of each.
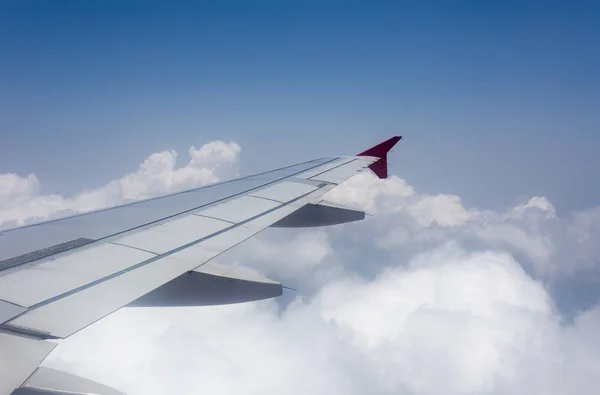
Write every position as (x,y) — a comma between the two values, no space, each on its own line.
(2,232)
(149,224)
(266,198)
(146,262)
(333,168)
(218,219)
(128,246)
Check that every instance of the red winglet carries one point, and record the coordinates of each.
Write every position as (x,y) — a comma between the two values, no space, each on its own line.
(380,151)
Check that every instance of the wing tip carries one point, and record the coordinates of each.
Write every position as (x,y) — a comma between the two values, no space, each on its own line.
(380,150)
(380,167)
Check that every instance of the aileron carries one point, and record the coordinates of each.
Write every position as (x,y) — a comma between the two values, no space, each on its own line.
(19,358)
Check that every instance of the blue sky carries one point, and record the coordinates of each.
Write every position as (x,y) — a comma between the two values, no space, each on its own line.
(496,102)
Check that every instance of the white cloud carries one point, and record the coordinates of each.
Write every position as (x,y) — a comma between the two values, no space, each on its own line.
(444,210)
(536,204)
(426,297)
(21,200)
(15,187)
(451,322)
(372,194)
(414,222)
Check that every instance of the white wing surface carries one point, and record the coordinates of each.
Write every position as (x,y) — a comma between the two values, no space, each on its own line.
(57,277)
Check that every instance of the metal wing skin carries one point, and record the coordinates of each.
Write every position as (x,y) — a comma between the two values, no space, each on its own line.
(57,277)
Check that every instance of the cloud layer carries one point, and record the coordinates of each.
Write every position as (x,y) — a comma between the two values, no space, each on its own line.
(452,322)
(22,199)
(427,296)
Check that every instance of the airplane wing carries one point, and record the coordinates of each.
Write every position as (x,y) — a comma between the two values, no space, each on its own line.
(59,276)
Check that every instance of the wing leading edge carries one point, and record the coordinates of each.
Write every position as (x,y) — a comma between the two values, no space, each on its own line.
(57,277)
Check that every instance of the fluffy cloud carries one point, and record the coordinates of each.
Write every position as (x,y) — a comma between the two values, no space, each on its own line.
(425,297)
(532,231)
(21,199)
(452,322)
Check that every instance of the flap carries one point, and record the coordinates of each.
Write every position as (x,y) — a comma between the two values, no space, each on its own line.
(19,357)
(321,214)
(211,284)
(51,381)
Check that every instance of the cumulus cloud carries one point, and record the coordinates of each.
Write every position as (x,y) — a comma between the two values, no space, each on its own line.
(451,322)
(532,231)
(427,296)
(21,200)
